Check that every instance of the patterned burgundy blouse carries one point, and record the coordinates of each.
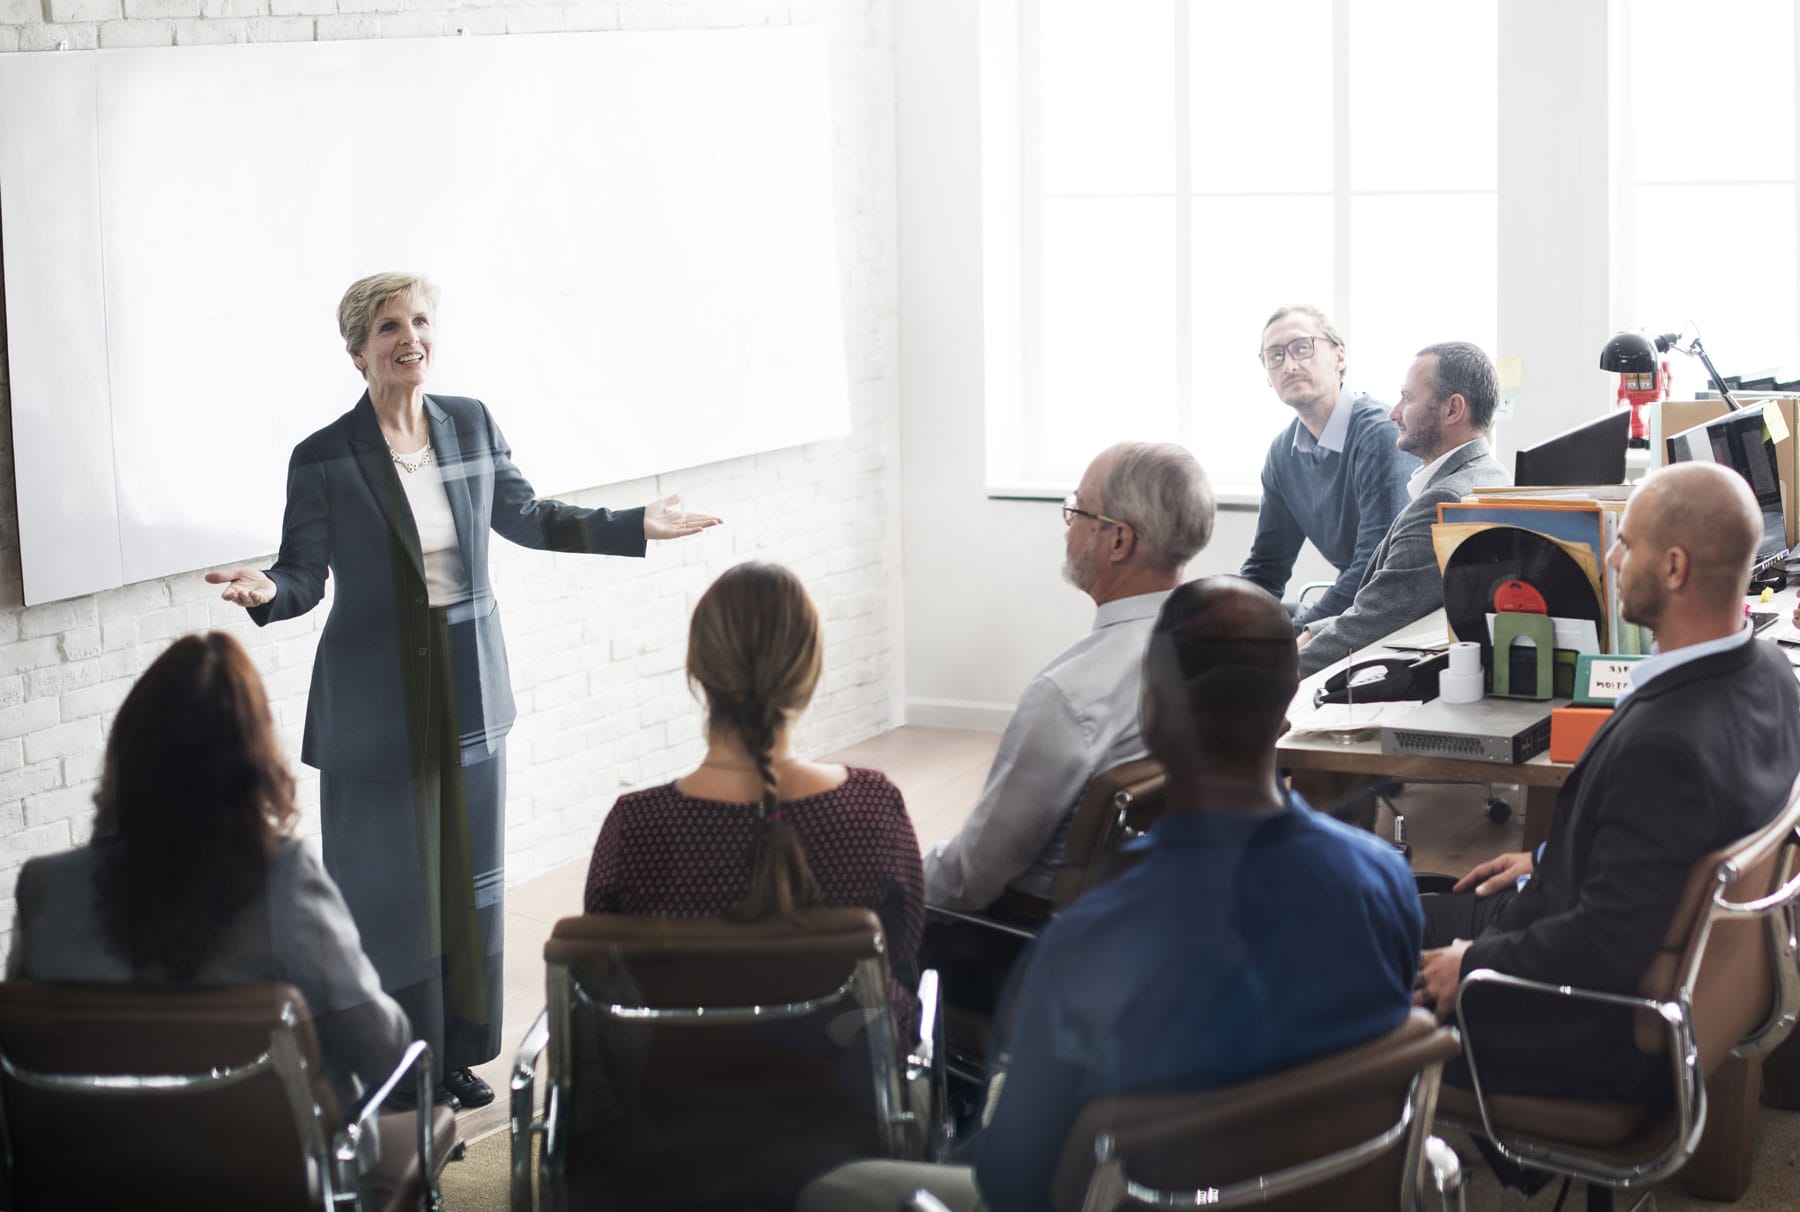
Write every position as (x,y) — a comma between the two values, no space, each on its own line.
(662,852)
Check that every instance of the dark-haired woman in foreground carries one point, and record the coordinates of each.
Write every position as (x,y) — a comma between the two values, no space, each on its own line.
(755,830)
(193,876)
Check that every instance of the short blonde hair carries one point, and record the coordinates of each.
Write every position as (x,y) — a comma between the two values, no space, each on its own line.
(369,295)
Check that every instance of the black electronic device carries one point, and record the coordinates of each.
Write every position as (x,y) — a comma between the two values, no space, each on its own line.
(1385,680)
(1591,453)
(1740,440)
(1492,730)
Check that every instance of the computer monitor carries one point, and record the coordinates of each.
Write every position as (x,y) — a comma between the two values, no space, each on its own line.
(1593,453)
(1741,442)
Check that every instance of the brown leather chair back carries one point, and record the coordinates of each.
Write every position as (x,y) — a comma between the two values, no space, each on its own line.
(1191,1142)
(1734,991)
(673,1096)
(240,1143)
(1118,805)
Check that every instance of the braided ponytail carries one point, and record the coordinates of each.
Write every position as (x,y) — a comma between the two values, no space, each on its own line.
(754,649)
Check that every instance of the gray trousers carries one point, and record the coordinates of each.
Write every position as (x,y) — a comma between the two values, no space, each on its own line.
(386,854)
(421,863)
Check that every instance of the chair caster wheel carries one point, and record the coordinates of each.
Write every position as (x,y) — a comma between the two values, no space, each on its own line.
(1499,811)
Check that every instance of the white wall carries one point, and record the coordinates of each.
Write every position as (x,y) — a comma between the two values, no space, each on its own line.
(985,606)
(596,644)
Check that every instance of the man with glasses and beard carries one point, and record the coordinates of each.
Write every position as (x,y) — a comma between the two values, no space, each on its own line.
(1333,477)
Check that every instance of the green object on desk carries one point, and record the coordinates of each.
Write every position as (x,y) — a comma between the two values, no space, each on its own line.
(1510,627)
(1600,677)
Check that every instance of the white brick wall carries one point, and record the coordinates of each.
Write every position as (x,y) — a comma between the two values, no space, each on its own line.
(596,644)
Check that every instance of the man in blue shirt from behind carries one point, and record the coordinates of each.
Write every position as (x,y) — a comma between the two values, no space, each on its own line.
(1333,475)
(1252,935)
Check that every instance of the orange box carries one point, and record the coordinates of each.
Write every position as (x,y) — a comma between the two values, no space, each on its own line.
(1571,728)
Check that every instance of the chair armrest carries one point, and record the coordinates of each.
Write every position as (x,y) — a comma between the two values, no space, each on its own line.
(926,1064)
(941,913)
(524,1125)
(1311,589)
(1427,883)
(923,1056)
(923,1201)
(358,1143)
(1683,1049)
(1447,1178)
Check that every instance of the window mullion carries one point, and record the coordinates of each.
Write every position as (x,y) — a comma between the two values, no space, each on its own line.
(1186,422)
(1031,240)
(1340,165)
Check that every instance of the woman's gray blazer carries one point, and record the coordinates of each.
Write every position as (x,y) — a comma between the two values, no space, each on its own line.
(347,517)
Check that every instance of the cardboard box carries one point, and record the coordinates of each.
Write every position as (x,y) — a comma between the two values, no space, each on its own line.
(1670,417)
(1571,728)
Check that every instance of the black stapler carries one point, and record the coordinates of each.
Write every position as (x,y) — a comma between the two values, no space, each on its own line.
(1402,679)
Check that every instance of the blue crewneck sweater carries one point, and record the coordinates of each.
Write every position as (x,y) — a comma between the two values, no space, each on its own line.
(1343,501)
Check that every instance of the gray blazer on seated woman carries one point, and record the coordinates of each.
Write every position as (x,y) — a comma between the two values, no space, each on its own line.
(192,877)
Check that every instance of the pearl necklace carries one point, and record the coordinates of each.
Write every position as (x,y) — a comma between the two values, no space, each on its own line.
(419,463)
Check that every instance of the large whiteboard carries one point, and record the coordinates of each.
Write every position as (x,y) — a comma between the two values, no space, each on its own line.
(634,233)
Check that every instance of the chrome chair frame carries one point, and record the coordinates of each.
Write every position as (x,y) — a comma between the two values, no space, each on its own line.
(902,1133)
(1676,1015)
(1111,1189)
(334,1168)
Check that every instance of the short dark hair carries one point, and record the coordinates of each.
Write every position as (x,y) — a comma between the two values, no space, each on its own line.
(1233,647)
(1464,369)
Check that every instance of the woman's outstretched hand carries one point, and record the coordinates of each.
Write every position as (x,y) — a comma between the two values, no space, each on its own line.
(662,520)
(246,586)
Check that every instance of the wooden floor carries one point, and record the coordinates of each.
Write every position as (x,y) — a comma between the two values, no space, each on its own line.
(940,771)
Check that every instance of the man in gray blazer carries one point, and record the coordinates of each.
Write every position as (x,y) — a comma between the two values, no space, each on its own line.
(1443,415)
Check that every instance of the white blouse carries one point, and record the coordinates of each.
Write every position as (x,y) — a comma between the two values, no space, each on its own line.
(444,580)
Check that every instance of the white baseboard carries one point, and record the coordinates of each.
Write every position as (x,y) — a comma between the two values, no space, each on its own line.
(958,713)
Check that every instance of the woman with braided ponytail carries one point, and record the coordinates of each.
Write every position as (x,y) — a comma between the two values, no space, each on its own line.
(756,830)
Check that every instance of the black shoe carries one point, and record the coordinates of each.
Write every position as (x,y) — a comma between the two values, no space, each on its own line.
(404,1098)
(469,1090)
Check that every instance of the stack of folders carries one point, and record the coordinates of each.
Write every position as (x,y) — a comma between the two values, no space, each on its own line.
(1583,521)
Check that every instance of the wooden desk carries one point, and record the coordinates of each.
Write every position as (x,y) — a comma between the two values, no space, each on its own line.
(1326,771)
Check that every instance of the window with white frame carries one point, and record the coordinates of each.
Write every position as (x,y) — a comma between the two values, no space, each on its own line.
(1704,208)
(1187,167)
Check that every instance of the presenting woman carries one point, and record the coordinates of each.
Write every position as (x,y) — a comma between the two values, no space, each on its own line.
(411,700)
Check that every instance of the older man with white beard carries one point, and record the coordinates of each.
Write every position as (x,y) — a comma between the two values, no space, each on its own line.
(1141,513)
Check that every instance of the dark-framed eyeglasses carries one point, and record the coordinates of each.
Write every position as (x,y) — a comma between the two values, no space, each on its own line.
(1071,511)
(1300,349)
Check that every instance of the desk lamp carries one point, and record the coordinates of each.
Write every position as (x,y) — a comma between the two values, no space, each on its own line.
(1632,354)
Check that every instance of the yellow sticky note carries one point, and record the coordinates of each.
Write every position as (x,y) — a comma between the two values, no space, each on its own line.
(1774,422)
(1511,368)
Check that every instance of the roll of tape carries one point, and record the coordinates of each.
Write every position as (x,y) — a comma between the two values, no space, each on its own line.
(1454,687)
(1465,657)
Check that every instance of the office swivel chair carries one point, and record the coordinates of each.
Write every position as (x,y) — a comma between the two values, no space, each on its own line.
(695,1062)
(115,1096)
(1724,984)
